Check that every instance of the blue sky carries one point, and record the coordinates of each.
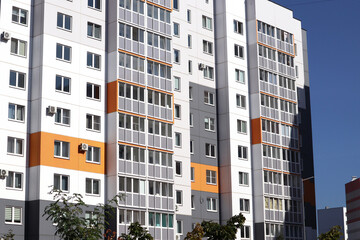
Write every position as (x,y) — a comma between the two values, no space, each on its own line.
(333,42)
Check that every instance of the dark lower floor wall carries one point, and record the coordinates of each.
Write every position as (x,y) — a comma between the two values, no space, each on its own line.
(17,229)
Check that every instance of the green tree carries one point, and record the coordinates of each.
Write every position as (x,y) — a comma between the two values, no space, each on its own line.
(215,231)
(9,236)
(67,214)
(136,232)
(333,234)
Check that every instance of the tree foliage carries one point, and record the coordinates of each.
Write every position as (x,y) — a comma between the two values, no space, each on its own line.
(136,232)
(67,214)
(333,234)
(8,236)
(215,231)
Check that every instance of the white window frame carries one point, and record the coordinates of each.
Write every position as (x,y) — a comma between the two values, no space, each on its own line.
(177,227)
(208,148)
(238,27)
(239,51)
(192,146)
(192,174)
(62,79)
(93,87)
(14,175)
(242,124)
(208,73)
(177,83)
(63,21)
(243,232)
(207,22)
(61,187)
(13,215)
(91,64)
(17,43)
(62,119)
(241,101)
(17,108)
(181,197)
(245,203)
(208,47)
(19,12)
(212,205)
(176,34)
(91,155)
(211,177)
(17,75)
(94,6)
(92,180)
(93,27)
(243,179)
(238,74)
(61,149)
(242,150)
(209,124)
(180,140)
(177,56)
(178,163)
(15,142)
(93,122)
(209,98)
(63,47)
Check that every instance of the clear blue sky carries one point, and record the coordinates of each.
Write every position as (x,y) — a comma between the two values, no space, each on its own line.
(333,42)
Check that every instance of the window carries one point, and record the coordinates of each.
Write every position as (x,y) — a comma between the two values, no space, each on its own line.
(207,22)
(190,67)
(178,168)
(209,150)
(179,229)
(16,112)
(176,4)
(61,149)
(176,56)
(242,152)
(177,111)
(19,15)
(238,27)
(63,52)
(207,47)
(244,205)
(239,51)
(17,79)
(191,120)
(245,232)
(93,155)
(189,41)
(192,202)
(192,174)
(94,30)
(296,71)
(62,84)
(93,60)
(177,139)
(211,204)
(188,16)
(191,146)
(62,116)
(92,186)
(93,122)
(179,197)
(211,177)
(93,91)
(209,124)
(61,182)
(176,29)
(208,98)
(91,218)
(243,178)
(240,101)
(64,21)
(18,47)
(13,215)
(241,126)
(15,146)
(190,93)
(94,4)
(208,72)
(240,76)
(177,83)
(14,180)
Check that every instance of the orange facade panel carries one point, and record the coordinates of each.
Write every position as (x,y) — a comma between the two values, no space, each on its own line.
(256,131)
(199,183)
(42,153)
(309,192)
(112,97)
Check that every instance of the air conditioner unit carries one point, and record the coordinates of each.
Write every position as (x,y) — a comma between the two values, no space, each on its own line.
(52,109)
(201,66)
(3,173)
(6,36)
(84,147)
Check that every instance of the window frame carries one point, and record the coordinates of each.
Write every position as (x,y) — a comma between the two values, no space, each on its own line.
(241,101)
(208,148)
(61,176)
(62,117)
(177,57)
(211,177)
(19,10)
(17,74)
(244,151)
(181,197)
(94,5)
(12,222)
(176,168)
(17,42)
(210,124)
(61,149)
(90,158)
(16,107)
(242,124)
(177,111)
(62,79)
(239,51)
(177,83)
(176,31)
(244,179)
(93,60)
(238,74)
(92,180)
(13,187)
(93,88)
(63,47)
(180,143)
(93,122)
(246,205)
(208,47)
(213,207)
(236,27)
(93,31)
(14,142)
(205,22)
(63,18)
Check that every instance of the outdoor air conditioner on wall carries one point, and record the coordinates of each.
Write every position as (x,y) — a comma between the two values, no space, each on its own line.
(84,147)
(5,36)
(3,173)
(51,110)
(201,66)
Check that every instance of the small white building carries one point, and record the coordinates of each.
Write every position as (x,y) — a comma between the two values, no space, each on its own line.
(330,217)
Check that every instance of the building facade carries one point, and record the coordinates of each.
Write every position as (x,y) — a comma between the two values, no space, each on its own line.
(352,191)
(329,217)
(193,110)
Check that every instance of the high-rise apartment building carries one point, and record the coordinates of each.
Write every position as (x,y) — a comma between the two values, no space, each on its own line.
(352,191)
(194,110)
